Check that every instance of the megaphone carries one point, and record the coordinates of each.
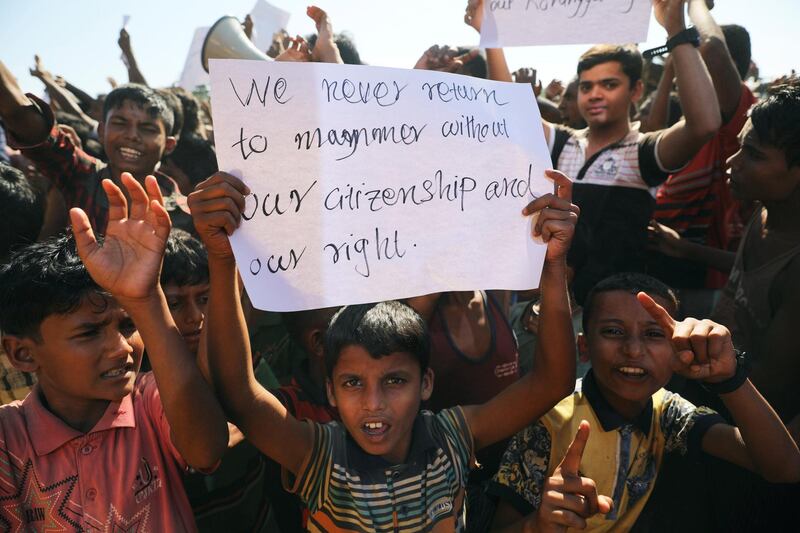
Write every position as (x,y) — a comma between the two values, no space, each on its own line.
(226,40)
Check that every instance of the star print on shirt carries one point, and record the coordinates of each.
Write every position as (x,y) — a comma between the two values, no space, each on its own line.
(116,523)
(35,507)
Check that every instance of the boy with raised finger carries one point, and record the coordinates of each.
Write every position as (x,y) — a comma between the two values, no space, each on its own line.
(634,347)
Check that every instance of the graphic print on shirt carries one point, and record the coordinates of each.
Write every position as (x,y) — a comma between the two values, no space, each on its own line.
(147,481)
(35,507)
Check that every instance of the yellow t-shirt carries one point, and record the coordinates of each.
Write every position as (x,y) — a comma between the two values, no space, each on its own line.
(622,457)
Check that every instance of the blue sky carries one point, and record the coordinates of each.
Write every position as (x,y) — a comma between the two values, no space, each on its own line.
(78,39)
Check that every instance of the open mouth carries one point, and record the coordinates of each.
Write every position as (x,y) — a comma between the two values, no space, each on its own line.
(129,154)
(375,430)
(632,372)
(118,372)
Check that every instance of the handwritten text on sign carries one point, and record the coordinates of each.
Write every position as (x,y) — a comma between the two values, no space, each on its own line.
(373,183)
(541,22)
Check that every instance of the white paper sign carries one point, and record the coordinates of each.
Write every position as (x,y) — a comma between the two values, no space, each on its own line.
(193,74)
(373,183)
(267,19)
(541,22)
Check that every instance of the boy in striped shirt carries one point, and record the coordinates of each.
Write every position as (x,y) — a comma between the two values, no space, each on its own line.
(386,466)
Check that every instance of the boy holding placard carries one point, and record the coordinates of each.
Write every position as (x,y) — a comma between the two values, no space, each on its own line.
(386,465)
(612,162)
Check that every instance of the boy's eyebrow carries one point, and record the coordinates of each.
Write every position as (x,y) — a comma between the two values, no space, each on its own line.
(620,321)
(92,324)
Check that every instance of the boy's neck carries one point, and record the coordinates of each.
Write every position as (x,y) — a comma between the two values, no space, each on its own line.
(602,136)
(627,409)
(79,415)
(784,216)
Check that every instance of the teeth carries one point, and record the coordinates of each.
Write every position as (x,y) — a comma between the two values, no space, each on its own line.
(114,373)
(632,371)
(374,425)
(130,152)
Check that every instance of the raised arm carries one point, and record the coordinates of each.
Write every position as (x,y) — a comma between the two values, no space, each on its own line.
(759,442)
(216,206)
(717,57)
(553,374)
(66,101)
(127,265)
(134,74)
(20,116)
(701,113)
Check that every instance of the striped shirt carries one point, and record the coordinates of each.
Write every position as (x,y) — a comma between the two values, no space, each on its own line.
(347,489)
(612,189)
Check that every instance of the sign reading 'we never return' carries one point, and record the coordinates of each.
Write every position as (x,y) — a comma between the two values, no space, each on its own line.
(374,183)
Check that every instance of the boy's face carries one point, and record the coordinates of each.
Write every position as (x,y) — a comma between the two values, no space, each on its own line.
(631,355)
(605,94)
(133,140)
(187,305)
(378,399)
(91,354)
(758,171)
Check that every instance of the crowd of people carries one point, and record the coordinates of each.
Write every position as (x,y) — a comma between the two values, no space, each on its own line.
(651,382)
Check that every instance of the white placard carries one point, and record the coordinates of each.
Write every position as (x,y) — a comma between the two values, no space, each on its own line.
(373,183)
(541,22)
(193,74)
(267,19)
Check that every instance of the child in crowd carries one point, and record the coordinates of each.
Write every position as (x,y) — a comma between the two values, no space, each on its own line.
(95,445)
(386,465)
(634,347)
(136,131)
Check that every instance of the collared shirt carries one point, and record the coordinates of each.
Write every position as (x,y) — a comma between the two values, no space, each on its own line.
(622,456)
(79,176)
(612,189)
(14,384)
(123,475)
(347,489)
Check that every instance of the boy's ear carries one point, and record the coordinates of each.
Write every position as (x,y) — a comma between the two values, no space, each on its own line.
(583,348)
(169,145)
(19,351)
(638,90)
(427,384)
(329,390)
(314,341)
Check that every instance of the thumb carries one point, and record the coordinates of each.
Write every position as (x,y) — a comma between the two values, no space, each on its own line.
(604,504)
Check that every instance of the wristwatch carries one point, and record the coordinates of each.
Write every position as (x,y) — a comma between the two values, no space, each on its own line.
(687,36)
(736,380)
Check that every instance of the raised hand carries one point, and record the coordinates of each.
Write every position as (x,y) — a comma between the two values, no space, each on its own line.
(557,216)
(296,51)
(524,75)
(670,14)
(128,262)
(473,14)
(38,70)
(216,206)
(568,499)
(325,49)
(444,59)
(703,349)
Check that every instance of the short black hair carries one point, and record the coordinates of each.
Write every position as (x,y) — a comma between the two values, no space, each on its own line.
(776,119)
(630,282)
(195,156)
(737,40)
(185,260)
(152,102)
(627,55)
(23,210)
(176,106)
(190,108)
(475,67)
(298,322)
(45,278)
(381,329)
